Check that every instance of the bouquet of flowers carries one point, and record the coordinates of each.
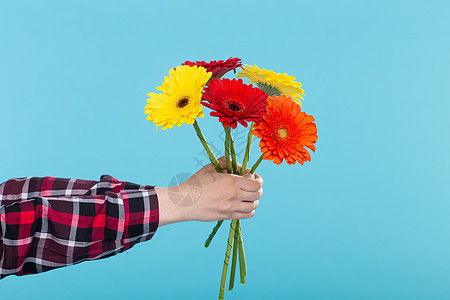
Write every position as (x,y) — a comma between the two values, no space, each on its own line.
(272,107)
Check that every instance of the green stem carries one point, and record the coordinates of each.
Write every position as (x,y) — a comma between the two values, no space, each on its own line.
(208,150)
(242,263)
(233,155)
(227,259)
(234,258)
(227,148)
(247,149)
(216,164)
(213,233)
(228,141)
(257,163)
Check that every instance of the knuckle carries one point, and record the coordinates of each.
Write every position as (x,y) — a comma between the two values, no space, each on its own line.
(247,215)
(255,204)
(256,195)
(260,180)
(260,184)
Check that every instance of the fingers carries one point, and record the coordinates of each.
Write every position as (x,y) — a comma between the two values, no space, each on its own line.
(241,210)
(240,215)
(250,184)
(242,204)
(247,206)
(249,196)
(258,178)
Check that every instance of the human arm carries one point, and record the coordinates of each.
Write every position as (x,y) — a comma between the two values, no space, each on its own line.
(47,223)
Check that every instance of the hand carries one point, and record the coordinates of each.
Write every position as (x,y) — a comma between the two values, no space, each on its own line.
(218,196)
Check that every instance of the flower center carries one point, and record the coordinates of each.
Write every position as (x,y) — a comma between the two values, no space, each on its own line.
(282,133)
(234,107)
(183,102)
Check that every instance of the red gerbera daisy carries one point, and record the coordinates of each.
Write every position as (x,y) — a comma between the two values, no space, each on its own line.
(285,131)
(234,101)
(218,68)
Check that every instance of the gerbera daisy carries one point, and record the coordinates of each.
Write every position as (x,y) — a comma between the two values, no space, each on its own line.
(234,101)
(274,84)
(218,68)
(180,101)
(285,131)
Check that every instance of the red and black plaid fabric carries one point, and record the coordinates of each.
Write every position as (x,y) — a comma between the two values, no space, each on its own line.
(48,222)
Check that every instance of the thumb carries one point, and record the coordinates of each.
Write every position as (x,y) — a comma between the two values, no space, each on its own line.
(222,162)
(249,175)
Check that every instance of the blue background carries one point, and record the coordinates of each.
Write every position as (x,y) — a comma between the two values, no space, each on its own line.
(367,218)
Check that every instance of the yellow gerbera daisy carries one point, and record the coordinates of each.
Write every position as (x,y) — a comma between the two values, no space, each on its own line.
(274,84)
(180,101)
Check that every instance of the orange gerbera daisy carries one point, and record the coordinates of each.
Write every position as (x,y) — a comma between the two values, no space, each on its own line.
(285,131)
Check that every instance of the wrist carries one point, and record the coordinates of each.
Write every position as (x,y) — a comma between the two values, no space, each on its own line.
(169,212)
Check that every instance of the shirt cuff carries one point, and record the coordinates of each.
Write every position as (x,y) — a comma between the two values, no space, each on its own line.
(141,216)
(140,206)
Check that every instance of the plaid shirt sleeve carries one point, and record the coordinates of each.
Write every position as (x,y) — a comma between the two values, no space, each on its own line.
(47,223)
